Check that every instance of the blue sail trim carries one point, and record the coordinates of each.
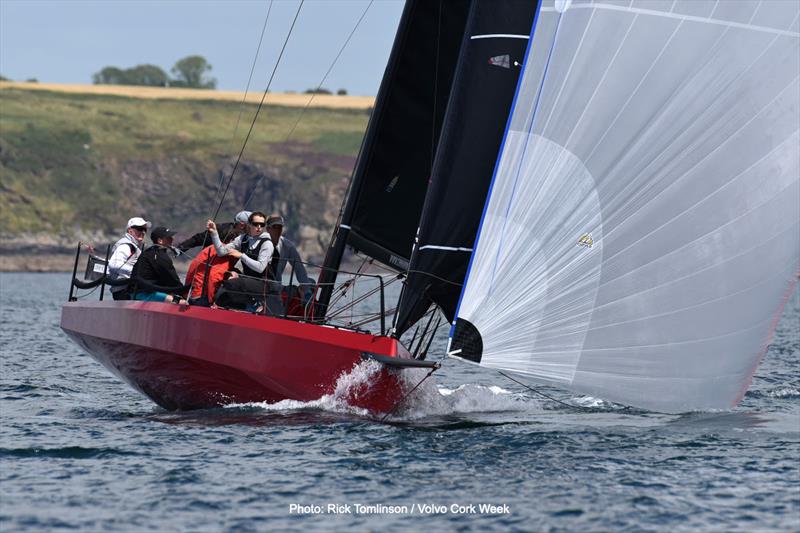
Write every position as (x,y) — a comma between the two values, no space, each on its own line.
(494,173)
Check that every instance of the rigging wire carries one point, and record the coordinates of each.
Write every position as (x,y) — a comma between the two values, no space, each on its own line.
(313,95)
(430,339)
(349,306)
(246,90)
(344,287)
(406,395)
(235,129)
(344,198)
(540,393)
(258,110)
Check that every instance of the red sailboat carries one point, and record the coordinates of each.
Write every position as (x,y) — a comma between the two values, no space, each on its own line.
(630,244)
(189,357)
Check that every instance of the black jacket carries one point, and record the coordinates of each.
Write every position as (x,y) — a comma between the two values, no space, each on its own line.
(227,232)
(155,267)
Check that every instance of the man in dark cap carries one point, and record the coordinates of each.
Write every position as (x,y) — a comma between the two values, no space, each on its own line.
(227,232)
(155,271)
(286,253)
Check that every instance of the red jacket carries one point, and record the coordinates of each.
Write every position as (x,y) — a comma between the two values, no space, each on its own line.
(217,266)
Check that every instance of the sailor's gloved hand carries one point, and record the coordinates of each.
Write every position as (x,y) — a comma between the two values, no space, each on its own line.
(308,294)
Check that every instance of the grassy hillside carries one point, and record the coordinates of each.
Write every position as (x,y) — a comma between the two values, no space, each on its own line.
(78,166)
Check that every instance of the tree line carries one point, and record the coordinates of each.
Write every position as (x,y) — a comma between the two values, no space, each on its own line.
(191,72)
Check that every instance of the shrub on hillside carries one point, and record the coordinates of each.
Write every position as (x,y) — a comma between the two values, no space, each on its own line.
(189,72)
(144,75)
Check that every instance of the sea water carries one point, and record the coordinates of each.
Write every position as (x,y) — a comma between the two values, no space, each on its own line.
(79,450)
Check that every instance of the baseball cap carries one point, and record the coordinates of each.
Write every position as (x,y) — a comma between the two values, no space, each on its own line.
(160,233)
(274,220)
(138,222)
(242,216)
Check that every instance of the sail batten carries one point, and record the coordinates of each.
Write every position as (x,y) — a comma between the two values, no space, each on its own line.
(500,36)
(644,219)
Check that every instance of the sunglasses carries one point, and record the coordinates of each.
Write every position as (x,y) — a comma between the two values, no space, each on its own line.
(140,228)
(258,224)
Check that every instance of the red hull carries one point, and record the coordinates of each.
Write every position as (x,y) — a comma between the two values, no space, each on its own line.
(194,357)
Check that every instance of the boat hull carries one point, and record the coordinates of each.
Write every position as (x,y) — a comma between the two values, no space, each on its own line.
(187,357)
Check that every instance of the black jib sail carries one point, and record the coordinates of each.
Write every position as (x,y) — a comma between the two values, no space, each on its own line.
(492,55)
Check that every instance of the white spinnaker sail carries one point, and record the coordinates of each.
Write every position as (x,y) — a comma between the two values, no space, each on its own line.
(643,227)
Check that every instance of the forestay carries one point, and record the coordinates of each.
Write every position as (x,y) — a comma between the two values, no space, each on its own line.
(643,226)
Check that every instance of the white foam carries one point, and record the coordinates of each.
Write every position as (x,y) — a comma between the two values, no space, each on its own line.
(430,400)
(362,374)
(784,392)
(426,400)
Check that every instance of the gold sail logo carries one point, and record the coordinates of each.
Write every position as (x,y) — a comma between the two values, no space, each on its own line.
(586,240)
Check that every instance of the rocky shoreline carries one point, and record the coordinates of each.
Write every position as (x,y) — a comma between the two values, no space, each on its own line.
(37,262)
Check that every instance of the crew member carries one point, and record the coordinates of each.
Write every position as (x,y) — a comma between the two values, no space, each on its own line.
(254,250)
(206,273)
(124,255)
(227,232)
(155,267)
(286,253)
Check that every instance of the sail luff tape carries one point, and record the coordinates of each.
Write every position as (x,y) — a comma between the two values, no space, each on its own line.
(445,248)
(677,16)
(500,36)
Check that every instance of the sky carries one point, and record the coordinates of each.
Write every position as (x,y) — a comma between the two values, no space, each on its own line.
(67,41)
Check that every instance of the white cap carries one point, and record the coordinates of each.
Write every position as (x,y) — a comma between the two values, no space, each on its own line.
(138,221)
(243,216)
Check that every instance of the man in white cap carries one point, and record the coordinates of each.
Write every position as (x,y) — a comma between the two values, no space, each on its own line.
(227,232)
(124,255)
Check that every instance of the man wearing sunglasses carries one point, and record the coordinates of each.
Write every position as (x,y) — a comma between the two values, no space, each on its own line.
(124,255)
(254,251)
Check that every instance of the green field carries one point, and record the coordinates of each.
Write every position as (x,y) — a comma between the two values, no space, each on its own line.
(75,164)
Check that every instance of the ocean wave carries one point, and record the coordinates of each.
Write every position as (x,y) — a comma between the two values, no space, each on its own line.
(66,452)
